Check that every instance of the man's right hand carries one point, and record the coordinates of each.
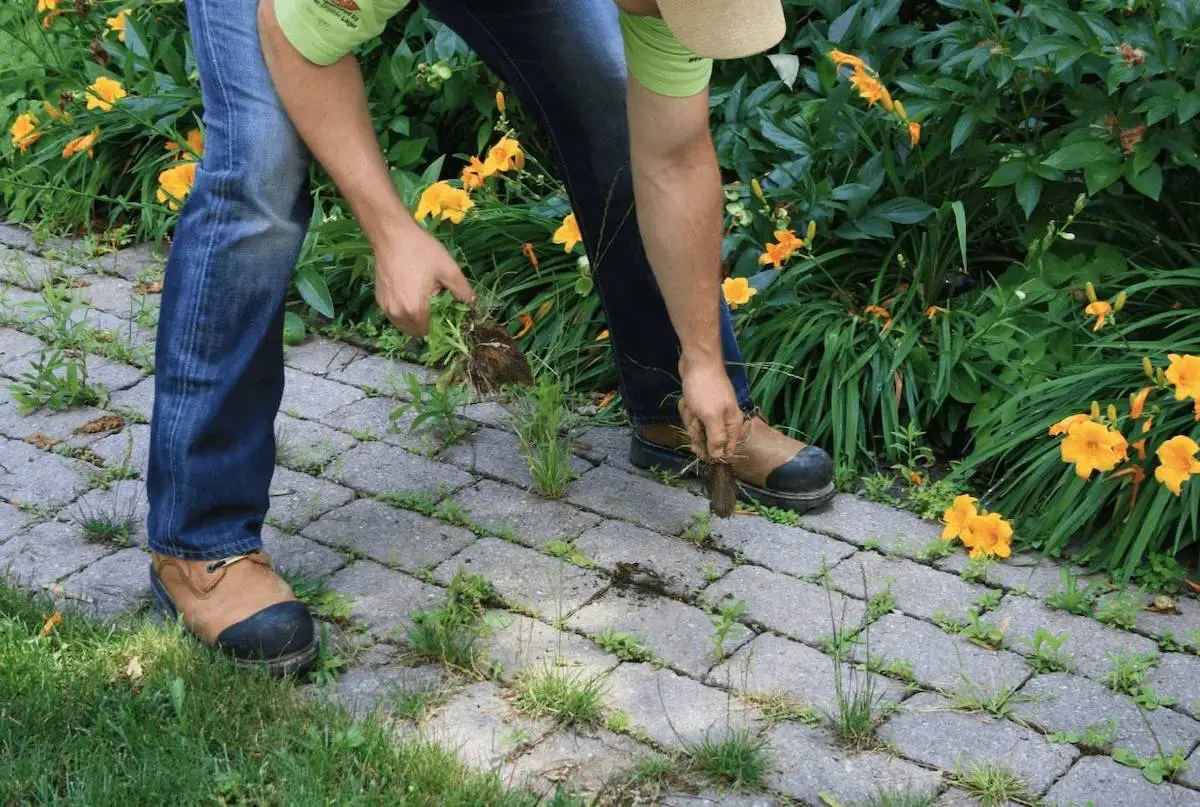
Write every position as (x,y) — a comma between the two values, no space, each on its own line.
(410,268)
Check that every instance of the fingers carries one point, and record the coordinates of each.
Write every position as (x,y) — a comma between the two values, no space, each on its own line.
(457,284)
(695,428)
(717,435)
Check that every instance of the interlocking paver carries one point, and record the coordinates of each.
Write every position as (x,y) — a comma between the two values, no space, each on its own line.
(12,520)
(123,504)
(1088,643)
(392,536)
(523,515)
(1023,573)
(681,635)
(384,375)
(372,417)
(961,798)
(14,344)
(672,565)
(674,710)
(801,610)
(318,355)
(47,422)
(12,235)
(111,294)
(622,495)
(129,447)
(383,599)
(551,587)
(806,765)
(863,522)
(518,643)
(115,584)
(1183,626)
(139,399)
(779,547)
(588,762)
(298,555)
(1178,675)
(130,262)
(497,454)
(918,590)
(481,727)
(1100,782)
(305,445)
(489,413)
(771,666)
(29,271)
(724,798)
(46,553)
(1063,702)
(377,468)
(941,661)
(927,730)
(310,397)
(30,476)
(364,689)
(296,499)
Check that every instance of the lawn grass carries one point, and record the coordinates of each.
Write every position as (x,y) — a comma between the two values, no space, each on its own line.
(138,714)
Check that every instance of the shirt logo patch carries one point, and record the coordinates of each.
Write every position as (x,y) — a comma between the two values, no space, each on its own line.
(348,5)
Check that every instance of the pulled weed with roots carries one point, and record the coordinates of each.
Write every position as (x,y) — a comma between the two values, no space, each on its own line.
(471,348)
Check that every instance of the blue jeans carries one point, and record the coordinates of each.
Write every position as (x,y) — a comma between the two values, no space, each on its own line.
(220,376)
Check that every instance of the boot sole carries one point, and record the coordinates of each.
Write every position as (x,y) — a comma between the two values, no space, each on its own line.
(645,455)
(291,664)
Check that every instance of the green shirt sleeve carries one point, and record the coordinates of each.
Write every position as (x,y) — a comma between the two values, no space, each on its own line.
(659,61)
(324,31)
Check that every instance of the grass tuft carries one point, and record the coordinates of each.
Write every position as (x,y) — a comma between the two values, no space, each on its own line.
(568,699)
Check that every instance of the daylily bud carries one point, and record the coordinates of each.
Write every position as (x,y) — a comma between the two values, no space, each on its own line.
(811,232)
(1095,409)
(1080,203)
(756,186)
(1091,291)
(1112,413)
(583,264)
(1160,376)
(500,101)
(442,71)
(900,111)
(1119,303)
(1147,367)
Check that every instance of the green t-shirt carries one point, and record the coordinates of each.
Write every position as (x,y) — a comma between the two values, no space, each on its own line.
(324,31)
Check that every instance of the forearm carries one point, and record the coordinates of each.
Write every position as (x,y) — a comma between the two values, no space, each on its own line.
(314,96)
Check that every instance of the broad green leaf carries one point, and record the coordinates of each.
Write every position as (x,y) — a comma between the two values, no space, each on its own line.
(1148,183)
(904,210)
(1189,106)
(1029,191)
(839,27)
(313,289)
(1007,174)
(960,223)
(293,328)
(787,65)
(1099,175)
(962,130)
(1079,155)
(1157,108)
(780,138)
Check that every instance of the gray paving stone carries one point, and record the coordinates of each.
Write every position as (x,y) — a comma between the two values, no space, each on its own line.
(489,413)
(12,520)
(679,634)
(671,565)
(111,375)
(122,502)
(708,798)
(310,397)
(1191,777)
(15,344)
(13,235)
(790,550)
(308,446)
(296,499)
(771,665)
(863,522)
(16,302)
(948,663)
(111,294)
(582,763)
(364,689)
(384,375)
(1088,642)
(607,444)
(394,537)
(479,726)
(636,499)
(1184,626)
(1178,675)
(127,448)
(46,553)
(30,476)
(60,425)
(1024,573)
(527,517)
(926,730)
(806,765)
(138,399)
(1063,702)
(961,798)
(497,454)
(801,610)
(114,585)
(28,271)
(298,555)
(377,468)
(674,710)
(373,416)
(1100,782)
(517,643)
(318,355)
(918,590)
(131,262)
(551,587)
(383,599)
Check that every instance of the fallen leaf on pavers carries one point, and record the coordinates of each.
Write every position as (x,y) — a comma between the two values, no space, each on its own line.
(133,670)
(39,440)
(742,511)
(50,624)
(1162,604)
(1193,586)
(102,336)
(80,284)
(107,423)
(154,287)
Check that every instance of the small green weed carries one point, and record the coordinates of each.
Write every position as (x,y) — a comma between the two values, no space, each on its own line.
(1120,610)
(568,699)
(983,633)
(418,501)
(976,570)
(570,553)
(988,601)
(1156,769)
(931,500)
(331,606)
(779,708)
(854,688)
(880,487)
(993,785)
(724,621)
(623,645)
(434,410)
(542,422)
(973,698)
(840,642)
(1127,675)
(1095,739)
(55,382)
(880,605)
(936,550)
(737,760)
(416,704)
(699,530)
(778,515)
(1048,655)
(450,633)
(326,669)
(1070,597)
(455,513)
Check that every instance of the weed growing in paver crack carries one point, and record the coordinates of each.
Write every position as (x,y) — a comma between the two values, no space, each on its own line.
(779,708)
(738,759)
(669,478)
(724,621)
(570,553)
(567,698)
(840,642)
(542,423)
(1120,610)
(328,665)
(777,515)
(983,633)
(998,702)
(1167,643)
(854,688)
(325,603)
(993,785)
(1070,597)
(1095,739)
(988,601)
(435,411)
(699,530)
(43,385)
(880,487)
(418,501)
(976,570)
(623,646)
(896,668)
(115,473)
(880,605)
(451,632)
(1163,768)
(905,799)
(415,705)
(931,500)
(1047,655)
(303,459)
(455,513)
(110,522)
(936,550)
(1128,675)
(366,435)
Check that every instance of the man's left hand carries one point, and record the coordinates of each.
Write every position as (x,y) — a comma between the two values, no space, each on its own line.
(710,410)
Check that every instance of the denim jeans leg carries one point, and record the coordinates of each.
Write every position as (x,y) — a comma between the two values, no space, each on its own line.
(219,347)
(566,61)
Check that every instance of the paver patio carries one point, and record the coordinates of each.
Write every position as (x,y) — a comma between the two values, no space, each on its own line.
(946,703)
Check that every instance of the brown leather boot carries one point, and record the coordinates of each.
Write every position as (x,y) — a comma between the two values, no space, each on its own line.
(770,467)
(240,605)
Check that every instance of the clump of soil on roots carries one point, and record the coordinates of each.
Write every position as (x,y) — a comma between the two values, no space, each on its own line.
(494,360)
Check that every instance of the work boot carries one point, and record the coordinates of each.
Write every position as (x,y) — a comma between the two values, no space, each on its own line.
(770,467)
(239,605)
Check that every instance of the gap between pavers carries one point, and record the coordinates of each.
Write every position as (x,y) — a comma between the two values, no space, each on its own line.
(918,590)
(778,547)
(296,499)
(584,762)
(114,585)
(46,553)
(384,600)
(865,523)
(515,644)
(671,565)
(379,469)
(637,500)
(482,729)
(525,516)
(1101,782)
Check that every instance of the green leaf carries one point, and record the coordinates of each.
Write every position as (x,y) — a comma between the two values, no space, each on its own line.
(787,65)
(1126,757)
(1029,191)
(1039,47)
(1079,155)
(1157,108)
(1148,183)
(964,387)
(293,328)
(1100,175)
(903,210)
(1007,174)
(315,292)
(960,223)
(1154,772)
(780,138)
(1189,106)
(839,27)
(962,130)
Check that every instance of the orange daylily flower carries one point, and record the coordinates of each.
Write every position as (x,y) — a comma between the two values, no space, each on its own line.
(1137,402)
(445,201)
(1179,463)
(786,244)
(567,233)
(1062,426)
(1138,476)
(104,92)
(473,174)
(737,291)
(914,132)
(24,132)
(57,115)
(1092,447)
(506,155)
(879,311)
(1101,309)
(957,516)
(526,325)
(85,142)
(871,90)
(527,251)
(175,183)
(117,23)
(843,59)
(988,535)
(1184,373)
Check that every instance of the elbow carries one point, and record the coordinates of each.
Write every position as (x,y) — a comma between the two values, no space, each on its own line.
(693,152)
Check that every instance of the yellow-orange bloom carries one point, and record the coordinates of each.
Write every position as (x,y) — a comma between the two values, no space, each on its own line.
(24,131)
(786,244)
(500,101)
(1066,423)
(567,233)
(195,146)
(103,93)
(175,183)
(527,251)
(602,336)
(57,115)
(85,142)
(1179,463)
(879,311)
(526,325)
(1137,402)
(445,201)
(117,23)
(737,291)
(843,59)
(472,174)
(957,516)
(1184,373)
(1101,310)
(914,132)
(988,535)
(506,155)
(1093,447)
(871,90)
